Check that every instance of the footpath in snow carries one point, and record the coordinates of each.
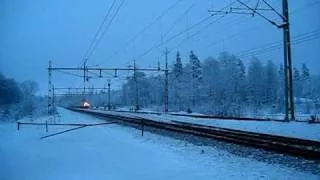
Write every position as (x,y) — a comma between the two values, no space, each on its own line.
(302,130)
(117,152)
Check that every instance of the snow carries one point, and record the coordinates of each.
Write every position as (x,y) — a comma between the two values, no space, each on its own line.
(301,130)
(186,113)
(117,152)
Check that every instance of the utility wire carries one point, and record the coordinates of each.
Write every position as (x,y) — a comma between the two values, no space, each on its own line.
(68,73)
(197,32)
(238,33)
(280,42)
(231,36)
(259,14)
(152,23)
(105,30)
(181,32)
(266,51)
(301,38)
(179,18)
(278,46)
(173,37)
(204,28)
(274,10)
(149,25)
(98,32)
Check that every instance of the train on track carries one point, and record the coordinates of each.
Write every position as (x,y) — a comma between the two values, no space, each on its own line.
(85,104)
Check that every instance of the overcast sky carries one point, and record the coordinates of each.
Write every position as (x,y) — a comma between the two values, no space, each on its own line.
(34,31)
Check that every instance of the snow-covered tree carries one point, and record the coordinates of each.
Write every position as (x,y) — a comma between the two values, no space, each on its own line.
(306,81)
(196,75)
(271,83)
(177,67)
(256,84)
(10,92)
(29,89)
(221,86)
(195,66)
(232,84)
(211,81)
(176,81)
(297,84)
(280,99)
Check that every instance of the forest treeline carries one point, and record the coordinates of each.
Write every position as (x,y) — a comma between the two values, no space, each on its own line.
(18,100)
(225,86)
(222,85)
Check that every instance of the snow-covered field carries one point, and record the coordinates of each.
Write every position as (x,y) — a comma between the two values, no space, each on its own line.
(117,152)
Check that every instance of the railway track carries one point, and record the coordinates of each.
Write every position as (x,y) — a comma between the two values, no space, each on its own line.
(202,116)
(308,149)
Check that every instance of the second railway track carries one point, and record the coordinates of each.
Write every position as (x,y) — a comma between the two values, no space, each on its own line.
(308,149)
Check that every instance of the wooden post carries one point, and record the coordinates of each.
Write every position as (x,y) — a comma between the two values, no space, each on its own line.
(142,127)
(46,126)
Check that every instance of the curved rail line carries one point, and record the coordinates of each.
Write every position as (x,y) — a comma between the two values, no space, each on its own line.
(308,149)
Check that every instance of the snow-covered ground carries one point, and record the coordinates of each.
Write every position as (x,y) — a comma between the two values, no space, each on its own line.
(261,115)
(117,152)
(302,130)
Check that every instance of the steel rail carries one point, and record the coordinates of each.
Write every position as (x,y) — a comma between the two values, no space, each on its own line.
(308,149)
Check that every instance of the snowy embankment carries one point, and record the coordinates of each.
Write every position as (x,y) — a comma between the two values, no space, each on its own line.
(301,130)
(116,152)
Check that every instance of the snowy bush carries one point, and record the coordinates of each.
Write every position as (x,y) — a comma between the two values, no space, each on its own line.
(19,100)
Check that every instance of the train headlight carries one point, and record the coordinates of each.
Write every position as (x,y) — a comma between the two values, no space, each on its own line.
(86,105)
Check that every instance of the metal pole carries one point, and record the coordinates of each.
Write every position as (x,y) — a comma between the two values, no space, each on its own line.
(109,105)
(166,98)
(289,60)
(49,88)
(84,78)
(142,127)
(46,126)
(289,97)
(136,86)
(285,56)
(53,101)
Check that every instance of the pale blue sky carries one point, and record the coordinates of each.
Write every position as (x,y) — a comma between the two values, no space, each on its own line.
(34,31)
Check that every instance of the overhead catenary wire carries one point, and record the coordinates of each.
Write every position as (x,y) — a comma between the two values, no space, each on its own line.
(180,33)
(251,28)
(296,42)
(258,13)
(68,73)
(277,44)
(152,23)
(273,9)
(173,37)
(179,18)
(105,30)
(189,37)
(187,30)
(93,41)
(197,32)
(204,28)
(149,25)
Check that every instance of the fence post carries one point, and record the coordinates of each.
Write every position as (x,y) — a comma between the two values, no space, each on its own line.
(142,127)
